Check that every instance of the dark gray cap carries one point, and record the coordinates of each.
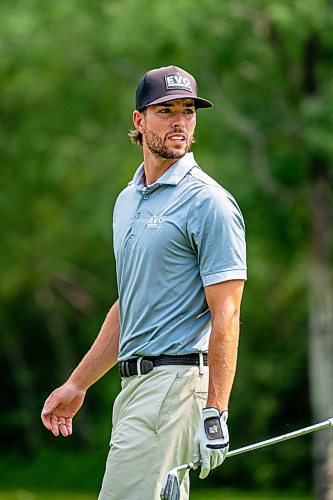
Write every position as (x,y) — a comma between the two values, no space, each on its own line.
(165,84)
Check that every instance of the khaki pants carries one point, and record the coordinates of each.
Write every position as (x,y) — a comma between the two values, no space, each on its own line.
(155,419)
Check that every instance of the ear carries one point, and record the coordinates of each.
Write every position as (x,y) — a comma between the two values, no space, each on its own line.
(138,120)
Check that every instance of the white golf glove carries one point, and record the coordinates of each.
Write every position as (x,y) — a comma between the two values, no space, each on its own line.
(211,442)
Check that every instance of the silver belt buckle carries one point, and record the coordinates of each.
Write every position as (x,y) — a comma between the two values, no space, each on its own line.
(146,366)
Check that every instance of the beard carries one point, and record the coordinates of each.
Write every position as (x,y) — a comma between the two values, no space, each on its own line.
(157,146)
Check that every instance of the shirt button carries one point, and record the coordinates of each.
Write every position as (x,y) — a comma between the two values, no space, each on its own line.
(145,197)
(137,216)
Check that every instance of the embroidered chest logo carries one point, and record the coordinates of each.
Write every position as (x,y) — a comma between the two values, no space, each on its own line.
(156,221)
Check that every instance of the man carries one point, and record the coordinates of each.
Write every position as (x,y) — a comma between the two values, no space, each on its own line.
(180,258)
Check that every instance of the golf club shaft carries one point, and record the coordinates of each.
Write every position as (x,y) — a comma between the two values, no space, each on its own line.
(283,437)
(268,442)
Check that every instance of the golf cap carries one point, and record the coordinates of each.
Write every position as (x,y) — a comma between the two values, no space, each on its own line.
(165,84)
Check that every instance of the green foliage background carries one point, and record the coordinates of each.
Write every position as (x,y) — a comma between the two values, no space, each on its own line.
(68,71)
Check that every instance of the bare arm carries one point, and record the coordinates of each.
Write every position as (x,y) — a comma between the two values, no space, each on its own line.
(224,300)
(65,401)
(102,355)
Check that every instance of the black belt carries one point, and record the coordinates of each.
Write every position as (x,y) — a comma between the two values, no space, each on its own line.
(129,367)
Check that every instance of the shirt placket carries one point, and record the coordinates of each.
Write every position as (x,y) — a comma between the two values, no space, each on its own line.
(139,215)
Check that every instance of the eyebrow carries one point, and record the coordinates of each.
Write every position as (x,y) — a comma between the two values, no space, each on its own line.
(170,104)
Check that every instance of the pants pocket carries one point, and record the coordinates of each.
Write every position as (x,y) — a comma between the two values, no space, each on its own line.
(201,388)
(201,384)
(118,403)
(167,403)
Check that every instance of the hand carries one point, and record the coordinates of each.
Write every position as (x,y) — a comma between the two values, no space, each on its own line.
(60,408)
(211,442)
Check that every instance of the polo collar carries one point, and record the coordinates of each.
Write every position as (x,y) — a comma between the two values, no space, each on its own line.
(172,176)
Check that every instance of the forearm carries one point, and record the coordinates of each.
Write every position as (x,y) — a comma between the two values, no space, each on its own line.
(222,359)
(102,355)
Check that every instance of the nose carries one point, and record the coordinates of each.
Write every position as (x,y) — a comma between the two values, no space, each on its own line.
(178,120)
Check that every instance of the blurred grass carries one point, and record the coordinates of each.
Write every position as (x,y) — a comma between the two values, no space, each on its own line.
(203,494)
(55,475)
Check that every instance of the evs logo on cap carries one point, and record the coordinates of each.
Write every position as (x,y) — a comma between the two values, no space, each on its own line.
(177,81)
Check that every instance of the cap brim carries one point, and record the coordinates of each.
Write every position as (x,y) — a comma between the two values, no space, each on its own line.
(198,101)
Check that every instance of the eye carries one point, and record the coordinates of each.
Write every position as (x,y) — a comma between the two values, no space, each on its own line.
(189,111)
(165,111)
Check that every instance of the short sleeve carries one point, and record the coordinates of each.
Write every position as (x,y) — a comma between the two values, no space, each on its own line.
(217,234)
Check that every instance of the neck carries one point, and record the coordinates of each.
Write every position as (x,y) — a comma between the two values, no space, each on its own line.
(155,166)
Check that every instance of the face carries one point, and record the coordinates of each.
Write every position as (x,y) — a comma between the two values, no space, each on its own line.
(167,129)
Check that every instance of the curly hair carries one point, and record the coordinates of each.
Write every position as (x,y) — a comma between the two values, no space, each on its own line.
(135,136)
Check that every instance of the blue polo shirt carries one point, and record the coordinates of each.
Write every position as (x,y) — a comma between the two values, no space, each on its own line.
(172,239)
